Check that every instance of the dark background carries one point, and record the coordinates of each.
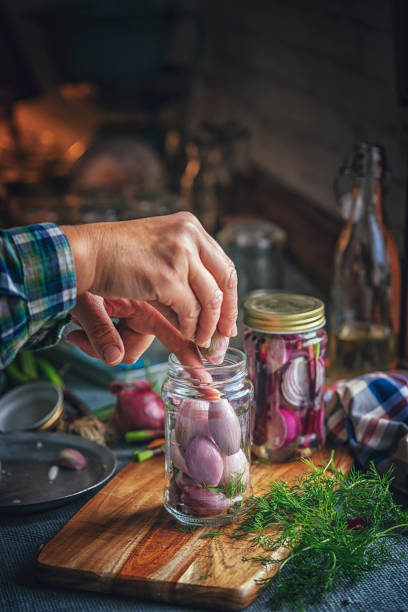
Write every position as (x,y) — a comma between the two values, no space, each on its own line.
(307,79)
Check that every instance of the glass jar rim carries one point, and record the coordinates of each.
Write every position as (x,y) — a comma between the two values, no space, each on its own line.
(233,370)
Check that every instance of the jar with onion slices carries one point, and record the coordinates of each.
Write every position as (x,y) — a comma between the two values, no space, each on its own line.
(208,436)
(285,345)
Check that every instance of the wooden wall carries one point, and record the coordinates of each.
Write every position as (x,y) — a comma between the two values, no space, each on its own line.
(309,79)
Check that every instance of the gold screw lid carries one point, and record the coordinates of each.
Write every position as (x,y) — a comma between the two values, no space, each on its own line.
(284,313)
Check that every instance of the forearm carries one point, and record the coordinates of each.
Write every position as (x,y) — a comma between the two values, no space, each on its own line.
(84,243)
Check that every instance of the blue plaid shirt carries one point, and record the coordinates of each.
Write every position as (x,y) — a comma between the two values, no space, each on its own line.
(37,287)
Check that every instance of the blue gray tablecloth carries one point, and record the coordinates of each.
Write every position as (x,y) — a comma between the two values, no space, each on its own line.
(21,539)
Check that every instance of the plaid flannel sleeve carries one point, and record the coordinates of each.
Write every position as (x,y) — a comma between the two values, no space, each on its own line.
(37,287)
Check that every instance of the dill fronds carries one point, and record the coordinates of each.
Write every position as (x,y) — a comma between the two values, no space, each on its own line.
(334,526)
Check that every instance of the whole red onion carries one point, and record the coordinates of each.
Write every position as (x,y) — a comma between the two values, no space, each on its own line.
(137,406)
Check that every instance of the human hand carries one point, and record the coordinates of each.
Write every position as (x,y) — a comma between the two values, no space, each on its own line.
(125,343)
(169,261)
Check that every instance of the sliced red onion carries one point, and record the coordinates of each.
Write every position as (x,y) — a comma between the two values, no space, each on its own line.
(204,461)
(176,454)
(282,428)
(191,421)
(224,426)
(277,354)
(215,353)
(291,425)
(235,466)
(203,502)
(320,371)
(320,429)
(295,382)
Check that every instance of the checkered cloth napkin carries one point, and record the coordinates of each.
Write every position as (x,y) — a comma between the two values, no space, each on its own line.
(369,414)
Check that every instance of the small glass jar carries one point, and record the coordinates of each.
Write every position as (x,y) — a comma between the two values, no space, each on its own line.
(208,437)
(285,345)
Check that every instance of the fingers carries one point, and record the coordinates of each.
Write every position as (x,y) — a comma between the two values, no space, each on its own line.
(214,265)
(180,298)
(167,312)
(80,339)
(141,318)
(121,308)
(210,297)
(223,271)
(103,337)
(135,343)
(147,319)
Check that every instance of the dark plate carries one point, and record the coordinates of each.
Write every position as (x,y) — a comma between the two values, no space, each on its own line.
(26,459)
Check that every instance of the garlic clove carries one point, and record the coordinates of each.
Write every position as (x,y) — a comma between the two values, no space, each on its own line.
(53,472)
(72,459)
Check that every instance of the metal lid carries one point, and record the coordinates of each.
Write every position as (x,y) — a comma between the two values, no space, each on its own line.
(32,406)
(284,312)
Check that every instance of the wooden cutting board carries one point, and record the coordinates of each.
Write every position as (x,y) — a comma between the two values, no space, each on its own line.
(123,541)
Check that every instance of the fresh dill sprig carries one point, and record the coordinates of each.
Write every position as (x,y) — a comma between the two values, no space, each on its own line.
(234,488)
(329,527)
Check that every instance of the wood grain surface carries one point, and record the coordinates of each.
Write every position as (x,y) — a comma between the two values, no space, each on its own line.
(123,541)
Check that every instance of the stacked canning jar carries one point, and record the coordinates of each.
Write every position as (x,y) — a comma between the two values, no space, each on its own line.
(285,344)
(207,440)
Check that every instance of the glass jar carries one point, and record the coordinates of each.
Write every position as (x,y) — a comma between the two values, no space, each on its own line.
(285,345)
(207,440)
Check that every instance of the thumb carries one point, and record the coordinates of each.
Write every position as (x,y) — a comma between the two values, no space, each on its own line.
(103,336)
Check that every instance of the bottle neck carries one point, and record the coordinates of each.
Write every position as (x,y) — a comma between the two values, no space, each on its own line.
(372,183)
(359,186)
(367,200)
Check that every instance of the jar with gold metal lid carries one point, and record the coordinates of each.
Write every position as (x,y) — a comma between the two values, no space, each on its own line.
(285,342)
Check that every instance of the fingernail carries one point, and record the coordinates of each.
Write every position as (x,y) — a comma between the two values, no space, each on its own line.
(206,344)
(111,353)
